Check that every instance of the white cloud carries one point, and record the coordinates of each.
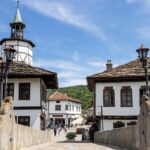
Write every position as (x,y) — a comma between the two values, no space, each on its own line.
(144,32)
(73,82)
(65,12)
(131,1)
(66,74)
(75,56)
(60,64)
(144,3)
(97,64)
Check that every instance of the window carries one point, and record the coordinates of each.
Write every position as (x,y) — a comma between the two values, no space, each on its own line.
(72,108)
(131,123)
(118,124)
(108,97)
(79,108)
(10,89)
(43,93)
(126,97)
(24,120)
(57,107)
(66,107)
(76,108)
(57,101)
(24,91)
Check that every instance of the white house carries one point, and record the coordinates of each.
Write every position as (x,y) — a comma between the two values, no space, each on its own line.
(117,94)
(27,84)
(63,109)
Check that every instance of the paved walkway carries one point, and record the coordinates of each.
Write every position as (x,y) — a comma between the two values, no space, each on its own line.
(59,143)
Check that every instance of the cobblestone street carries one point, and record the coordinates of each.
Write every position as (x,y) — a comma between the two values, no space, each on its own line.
(59,143)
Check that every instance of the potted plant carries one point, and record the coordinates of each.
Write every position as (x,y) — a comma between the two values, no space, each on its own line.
(71,136)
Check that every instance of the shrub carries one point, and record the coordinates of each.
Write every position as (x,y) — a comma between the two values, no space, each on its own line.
(71,135)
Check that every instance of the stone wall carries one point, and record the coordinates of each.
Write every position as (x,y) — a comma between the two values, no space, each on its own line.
(126,137)
(133,137)
(26,136)
(14,136)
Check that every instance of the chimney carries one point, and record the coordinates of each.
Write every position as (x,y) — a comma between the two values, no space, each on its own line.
(109,65)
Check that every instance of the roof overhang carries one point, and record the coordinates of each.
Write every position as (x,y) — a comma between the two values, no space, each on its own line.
(50,81)
(93,80)
(14,39)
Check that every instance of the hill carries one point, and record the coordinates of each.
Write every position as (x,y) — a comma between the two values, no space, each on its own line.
(80,92)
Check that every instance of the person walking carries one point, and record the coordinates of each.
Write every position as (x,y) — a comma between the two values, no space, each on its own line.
(92,130)
(55,130)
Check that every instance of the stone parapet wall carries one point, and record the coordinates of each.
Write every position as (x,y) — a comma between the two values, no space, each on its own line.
(14,136)
(26,136)
(126,137)
(133,137)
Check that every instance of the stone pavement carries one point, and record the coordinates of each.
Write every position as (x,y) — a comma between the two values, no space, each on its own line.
(59,142)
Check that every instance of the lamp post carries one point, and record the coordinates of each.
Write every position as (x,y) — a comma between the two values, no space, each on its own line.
(142,54)
(9,53)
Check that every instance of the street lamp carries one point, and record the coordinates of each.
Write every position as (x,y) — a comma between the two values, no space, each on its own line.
(142,54)
(9,53)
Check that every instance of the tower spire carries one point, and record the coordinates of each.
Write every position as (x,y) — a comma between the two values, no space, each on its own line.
(18,15)
(17,3)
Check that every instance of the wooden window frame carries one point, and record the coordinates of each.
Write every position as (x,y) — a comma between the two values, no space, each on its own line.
(57,107)
(131,123)
(24,92)
(110,93)
(24,118)
(66,107)
(118,124)
(127,91)
(43,93)
(8,90)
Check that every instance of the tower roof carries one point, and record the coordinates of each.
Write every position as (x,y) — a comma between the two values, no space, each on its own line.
(17,15)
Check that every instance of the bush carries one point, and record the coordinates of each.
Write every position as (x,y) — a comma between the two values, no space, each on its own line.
(71,135)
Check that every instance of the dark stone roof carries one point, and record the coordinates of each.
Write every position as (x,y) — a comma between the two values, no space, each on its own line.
(22,70)
(132,71)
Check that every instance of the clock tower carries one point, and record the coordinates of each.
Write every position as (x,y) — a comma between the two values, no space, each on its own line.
(23,46)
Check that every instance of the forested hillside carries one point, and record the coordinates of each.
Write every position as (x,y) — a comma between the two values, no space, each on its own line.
(80,92)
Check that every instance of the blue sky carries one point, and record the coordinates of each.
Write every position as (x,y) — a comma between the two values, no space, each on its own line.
(75,38)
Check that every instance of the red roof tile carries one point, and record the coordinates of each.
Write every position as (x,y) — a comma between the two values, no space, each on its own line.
(57,96)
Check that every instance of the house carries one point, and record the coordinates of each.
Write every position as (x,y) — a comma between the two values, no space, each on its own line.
(27,84)
(117,94)
(63,109)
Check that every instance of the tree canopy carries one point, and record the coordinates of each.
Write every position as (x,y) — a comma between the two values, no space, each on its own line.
(80,92)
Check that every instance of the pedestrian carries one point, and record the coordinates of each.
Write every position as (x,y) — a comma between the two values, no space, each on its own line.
(92,130)
(55,130)
(59,130)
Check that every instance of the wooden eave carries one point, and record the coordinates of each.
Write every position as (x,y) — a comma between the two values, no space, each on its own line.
(17,23)
(130,72)
(21,70)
